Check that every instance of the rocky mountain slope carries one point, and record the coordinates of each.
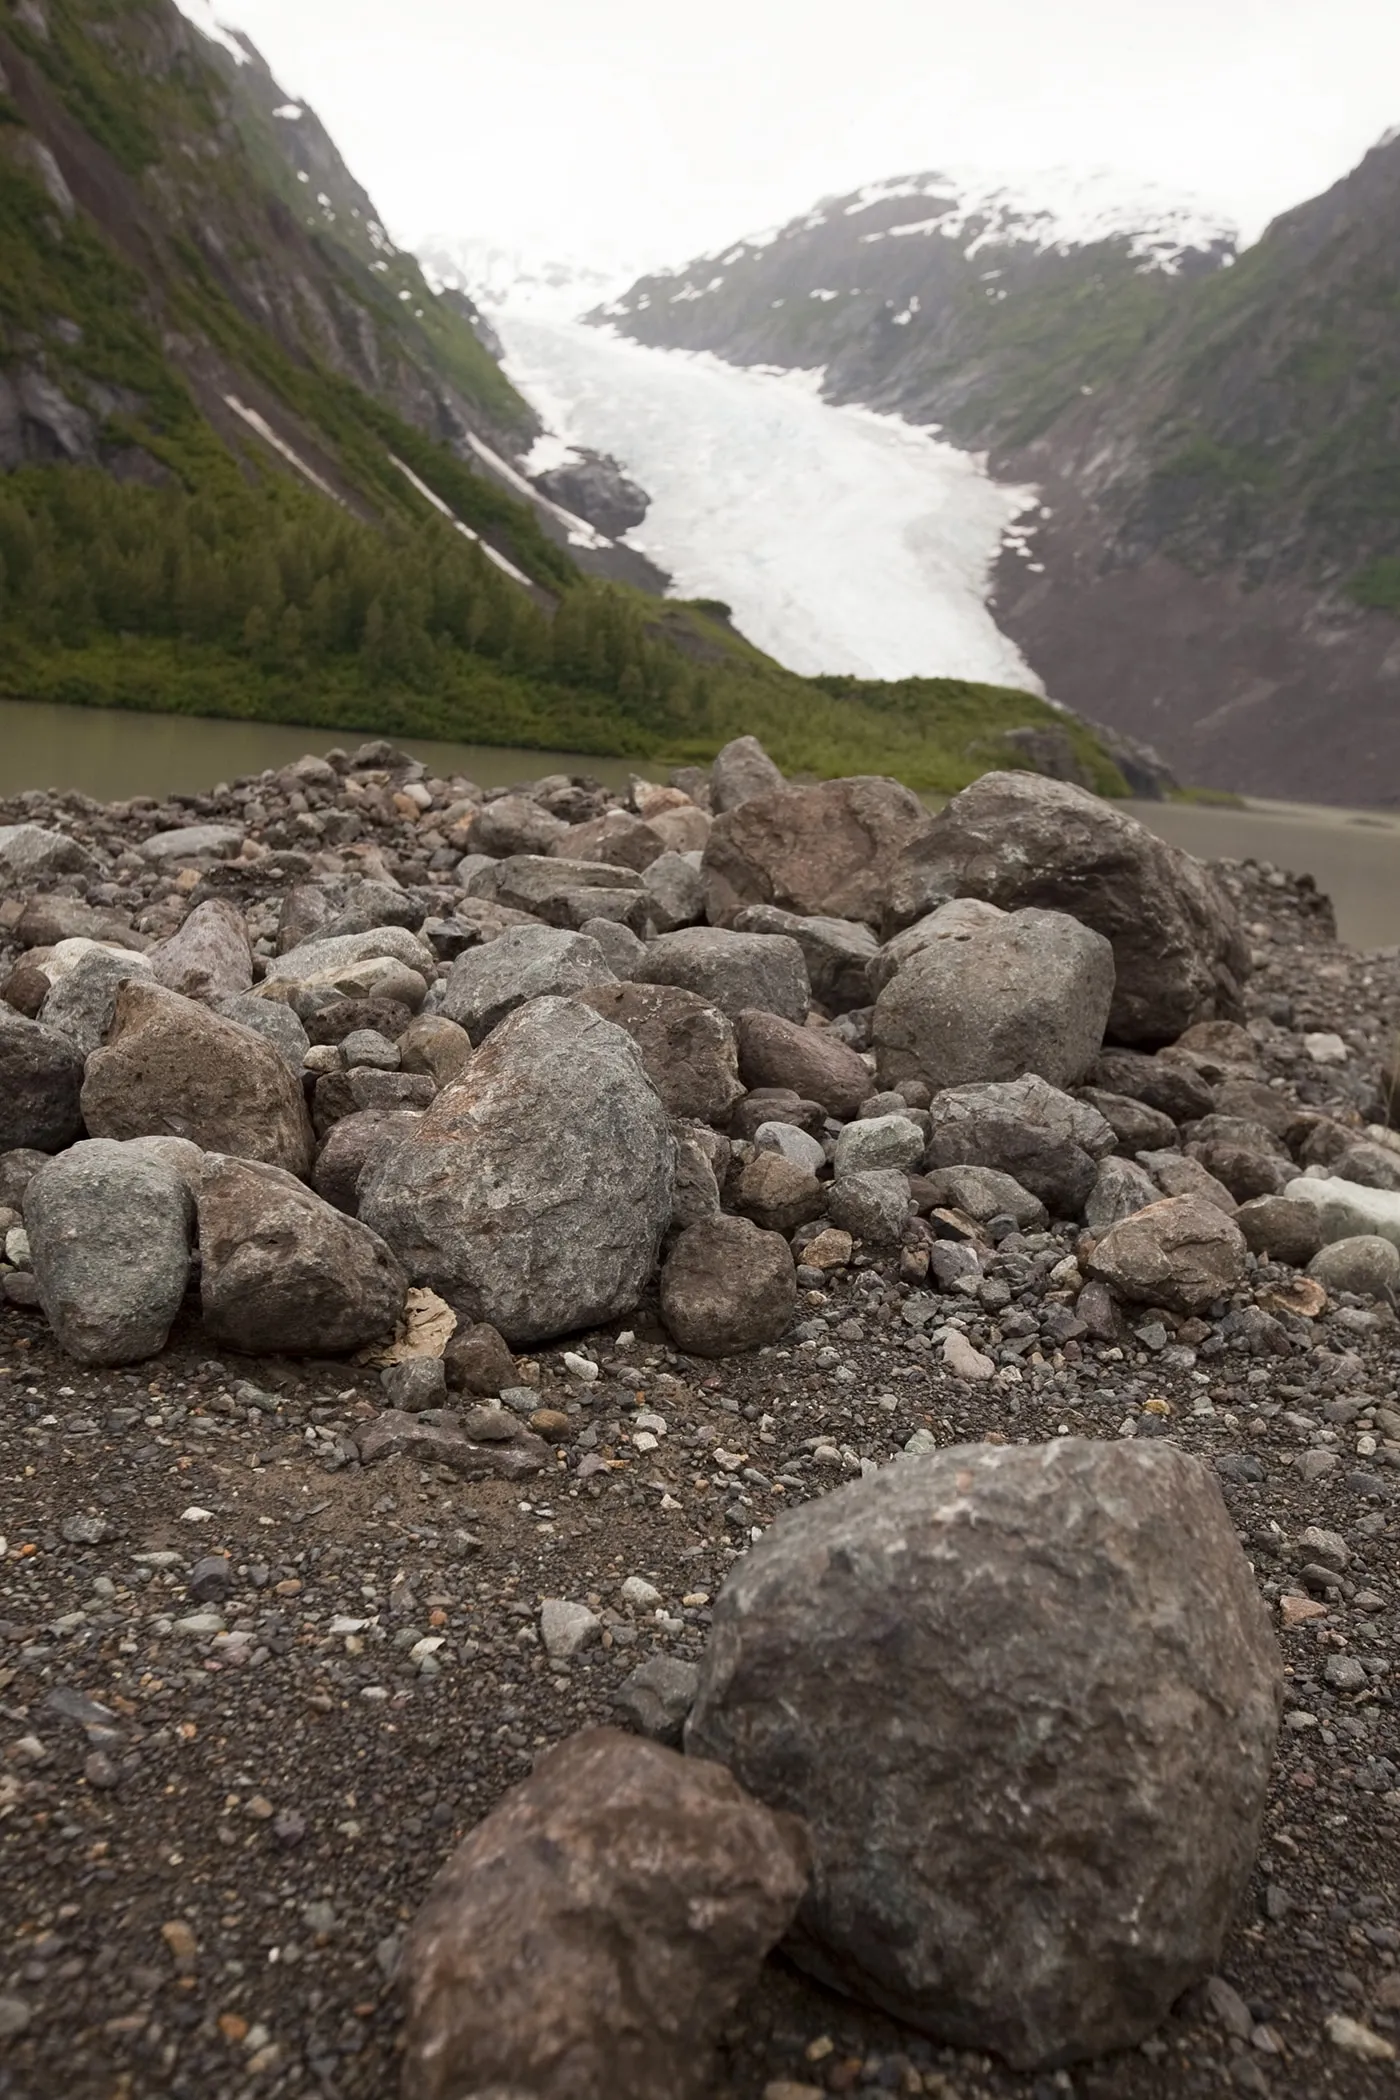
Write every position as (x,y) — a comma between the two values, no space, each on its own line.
(1216,435)
(253,463)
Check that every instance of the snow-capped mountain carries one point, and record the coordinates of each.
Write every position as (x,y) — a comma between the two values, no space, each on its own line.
(528,277)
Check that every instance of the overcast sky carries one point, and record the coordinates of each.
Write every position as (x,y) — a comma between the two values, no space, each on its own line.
(653,130)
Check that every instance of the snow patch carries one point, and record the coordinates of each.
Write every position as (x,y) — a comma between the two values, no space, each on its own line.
(438,505)
(580,533)
(844,540)
(279,445)
(291,111)
(201,13)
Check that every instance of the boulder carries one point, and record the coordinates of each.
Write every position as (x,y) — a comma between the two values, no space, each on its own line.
(1373,1166)
(675,891)
(1176,1175)
(815,1064)
(1029,1733)
(622,950)
(1366,1265)
(1242,1169)
(324,960)
(1345,1210)
(830,850)
(1136,1127)
(732,971)
(696,1195)
(284,1273)
(1027,992)
(872,1205)
(434,1045)
(960,918)
(1027,1128)
(515,824)
(778,1194)
(561,892)
(193,842)
(535,1191)
(210,957)
(29,853)
(109,1238)
(726,1287)
(348,1147)
(527,962)
(275,1023)
(590,1939)
(623,841)
(982,1194)
(359,908)
(1281,1229)
(1121,1188)
(1181,1253)
(1015,839)
(878,1141)
(41,1077)
(1175,1090)
(686,1046)
(46,920)
(741,771)
(792,1144)
(171,1067)
(477,1360)
(839,952)
(83,994)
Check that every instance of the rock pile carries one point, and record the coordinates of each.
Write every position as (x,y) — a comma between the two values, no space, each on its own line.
(346,1060)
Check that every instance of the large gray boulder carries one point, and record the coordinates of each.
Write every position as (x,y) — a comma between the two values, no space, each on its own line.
(1026,991)
(282,1272)
(172,1068)
(1016,840)
(41,1077)
(731,970)
(210,957)
(839,952)
(590,1938)
(109,1238)
(830,850)
(741,771)
(1025,1699)
(29,853)
(84,980)
(535,1191)
(1027,1128)
(527,962)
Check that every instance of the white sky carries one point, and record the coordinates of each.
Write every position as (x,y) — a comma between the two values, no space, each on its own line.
(654,130)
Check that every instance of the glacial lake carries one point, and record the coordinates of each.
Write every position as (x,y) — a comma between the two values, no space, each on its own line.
(1354,855)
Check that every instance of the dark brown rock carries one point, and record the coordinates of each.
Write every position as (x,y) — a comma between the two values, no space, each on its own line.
(817,1066)
(1181,1253)
(726,1286)
(830,850)
(41,1077)
(478,1360)
(686,1045)
(589,1940)
(1241,1169)
(1280,1228)
(347,1149)
(1174,1089)
(776,1194)
(1137,1127)
(1030,1735)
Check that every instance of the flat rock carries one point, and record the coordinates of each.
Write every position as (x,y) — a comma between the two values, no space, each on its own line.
(395,1434)
(194,842)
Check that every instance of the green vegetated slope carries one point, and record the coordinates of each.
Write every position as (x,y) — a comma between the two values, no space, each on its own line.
(215,369)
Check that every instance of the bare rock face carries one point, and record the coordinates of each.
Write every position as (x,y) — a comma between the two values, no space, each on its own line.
(1017,840)
(171,1068)
(210,957)
(815,1064)
(41,1077)
(284,1272)
(1027,1128)
(1026,991)
(590,1938)
(535,1191)
(727,1286)
(1026,1700)
(109,1233)
(686,1045)
(830,850)
(1182,1253)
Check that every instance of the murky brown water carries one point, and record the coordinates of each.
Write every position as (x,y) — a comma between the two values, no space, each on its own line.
(1353,854)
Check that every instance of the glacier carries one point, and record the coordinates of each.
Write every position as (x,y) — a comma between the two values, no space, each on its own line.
(843,540)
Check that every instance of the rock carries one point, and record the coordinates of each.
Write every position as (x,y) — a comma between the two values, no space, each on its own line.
(1245,1172)
(194,842)
(1373,1166)
(514,824)
(1014,839)
(1027,991)
(830,850)
(282,1272)
(210,957)
(839,952)
(872,1205)
(964,1361)
(1035,1839)
(535,1191)
(831,1249)
(775,1104)
(349,1146)
(727,1286)
(741,771)
(366,1048)
(549,885)
(815,1064)
(17,1169)
(41,1077)
(657,1696)
(477,1361)
(1181,1253)
(791,1144)
(328,961)
(418,1382)
(83,997)
(433,1438)
(362,907)
(1345,1210)
(1175,1090)
(590,1939)
(1365,1264)
(46,920)
(1281,1228)
(1136,1127)
(566,1628)
(621,948)
(170,1066)
(777,1194)
(28,853)
(983,1194)
(275,1023)
(342,1094)
(1027,1128)
(878,1141)
(675,891)
(1176,1175)
(701,1156)
(686,1046)
(1121,1189)
(732,971)
(528,962)
(109,1237)
(433,1044)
